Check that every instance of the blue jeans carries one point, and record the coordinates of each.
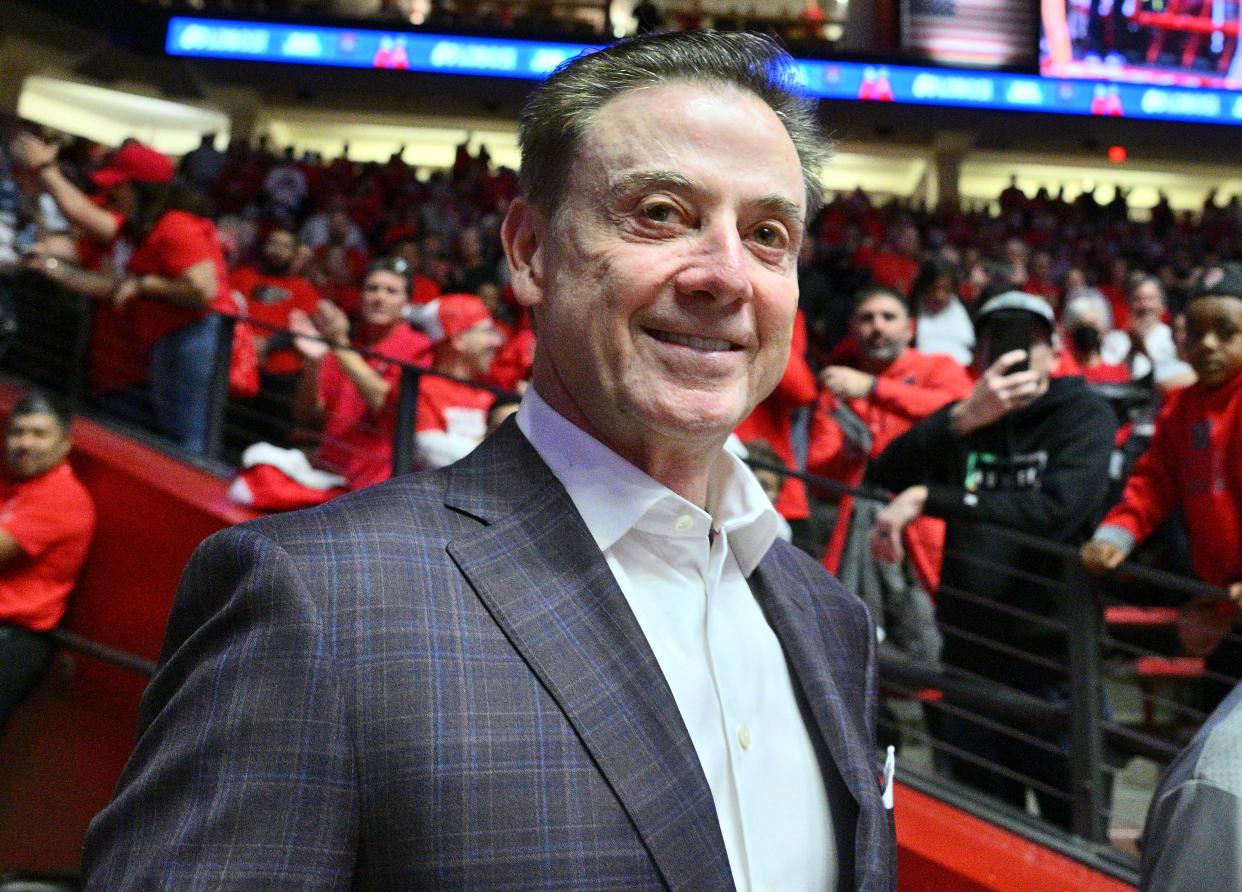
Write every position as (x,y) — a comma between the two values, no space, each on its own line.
(176,401)
(179,382)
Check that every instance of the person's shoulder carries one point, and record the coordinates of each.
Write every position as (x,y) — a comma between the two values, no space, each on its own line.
(1074,391)
(401,509)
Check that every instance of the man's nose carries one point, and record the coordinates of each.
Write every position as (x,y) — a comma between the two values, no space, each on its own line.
(719,266)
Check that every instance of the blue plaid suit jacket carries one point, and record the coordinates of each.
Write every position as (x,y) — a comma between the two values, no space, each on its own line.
(436,683)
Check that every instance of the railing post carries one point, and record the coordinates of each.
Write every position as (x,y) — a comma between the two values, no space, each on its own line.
(407,416)
(83,334)
(1087,786)
(218,395)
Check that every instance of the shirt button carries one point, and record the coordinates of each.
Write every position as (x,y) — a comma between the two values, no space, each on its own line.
(743,737)
(683,523)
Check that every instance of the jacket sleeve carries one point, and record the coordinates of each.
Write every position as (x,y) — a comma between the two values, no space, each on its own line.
(1151,491)
(945,382)
(828,453)
(1189,843)
(243,773)
(907,461)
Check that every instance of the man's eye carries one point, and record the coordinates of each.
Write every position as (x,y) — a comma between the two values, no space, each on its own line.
(659,211)
(769,236)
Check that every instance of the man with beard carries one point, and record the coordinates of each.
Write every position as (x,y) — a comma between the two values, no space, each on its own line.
(875,392)
(272,289)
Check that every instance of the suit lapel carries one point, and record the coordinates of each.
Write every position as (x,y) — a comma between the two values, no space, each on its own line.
(814,652)
(538,571)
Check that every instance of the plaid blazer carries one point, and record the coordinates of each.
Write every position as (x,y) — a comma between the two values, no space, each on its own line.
(436,683)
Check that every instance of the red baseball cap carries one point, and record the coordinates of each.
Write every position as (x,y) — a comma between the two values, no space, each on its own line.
(134,161)
(450,314)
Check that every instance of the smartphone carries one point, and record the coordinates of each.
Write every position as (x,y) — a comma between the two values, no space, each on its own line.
(1006,336)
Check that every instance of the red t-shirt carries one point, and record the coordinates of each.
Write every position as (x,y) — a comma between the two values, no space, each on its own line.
(453,407)
(123,338)
(357,442)
(270,299)
(52,519)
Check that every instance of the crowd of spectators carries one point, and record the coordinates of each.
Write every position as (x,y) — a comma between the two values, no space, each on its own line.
(348,272)
(297,230)
(804,23)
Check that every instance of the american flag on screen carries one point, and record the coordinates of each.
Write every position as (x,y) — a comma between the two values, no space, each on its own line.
(987,33)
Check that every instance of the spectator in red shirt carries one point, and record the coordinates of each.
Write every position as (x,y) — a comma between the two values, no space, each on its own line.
(1194,461)
(161,272)
(896,262)
(47,521)
(452,411)
(352,395)
(333,274)
(271,289)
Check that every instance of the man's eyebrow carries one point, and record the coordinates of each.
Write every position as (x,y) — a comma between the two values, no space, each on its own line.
(780,206)
(647,180)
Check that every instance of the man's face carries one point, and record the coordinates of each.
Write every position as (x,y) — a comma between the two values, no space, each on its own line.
(1146,301)
(665,286)
(478,345)
(1214,339)
(34,444)
(279,249)
(384,296)
(882,328)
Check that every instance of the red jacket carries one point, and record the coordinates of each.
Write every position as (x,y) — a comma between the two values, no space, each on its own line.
(913,387)
(1195,460)
(772,420)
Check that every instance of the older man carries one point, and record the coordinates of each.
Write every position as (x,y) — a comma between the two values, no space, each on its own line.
(576,659)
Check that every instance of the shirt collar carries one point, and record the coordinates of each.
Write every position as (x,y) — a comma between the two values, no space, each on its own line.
(613,496)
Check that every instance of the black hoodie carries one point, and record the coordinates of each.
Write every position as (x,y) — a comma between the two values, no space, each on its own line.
(1041,470)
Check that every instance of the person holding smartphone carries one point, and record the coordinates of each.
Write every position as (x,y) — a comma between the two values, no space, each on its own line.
(1025,450)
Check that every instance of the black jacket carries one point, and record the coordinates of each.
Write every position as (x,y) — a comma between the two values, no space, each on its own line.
(1041,470)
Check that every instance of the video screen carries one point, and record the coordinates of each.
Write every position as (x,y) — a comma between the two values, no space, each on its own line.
(975,33)
(1177,43)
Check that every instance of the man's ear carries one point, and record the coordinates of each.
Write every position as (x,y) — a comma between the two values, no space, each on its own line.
(522,234)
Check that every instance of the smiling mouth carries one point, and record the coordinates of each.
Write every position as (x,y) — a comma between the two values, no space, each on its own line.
(692,341)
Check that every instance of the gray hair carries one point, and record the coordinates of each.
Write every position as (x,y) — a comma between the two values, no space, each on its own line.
(554,122)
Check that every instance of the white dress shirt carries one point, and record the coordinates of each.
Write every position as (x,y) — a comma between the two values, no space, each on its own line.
(721,660)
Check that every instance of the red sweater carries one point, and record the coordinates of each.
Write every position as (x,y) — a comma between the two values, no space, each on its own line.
(1195,460)
(913,387)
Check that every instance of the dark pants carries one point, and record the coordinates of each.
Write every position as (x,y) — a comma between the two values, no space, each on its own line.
(23,657)
(1004,762)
